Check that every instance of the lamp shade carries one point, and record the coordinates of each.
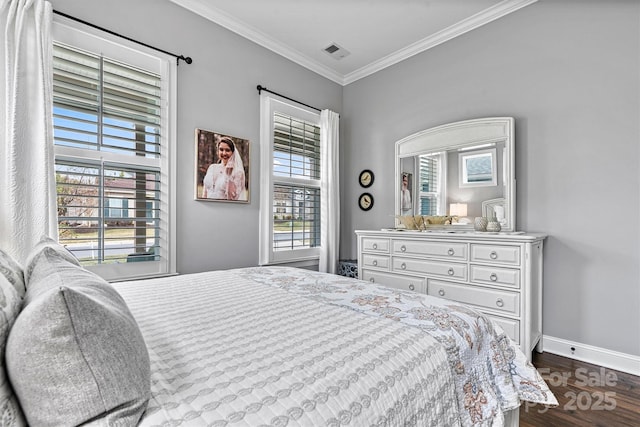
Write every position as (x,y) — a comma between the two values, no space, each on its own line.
(458,209)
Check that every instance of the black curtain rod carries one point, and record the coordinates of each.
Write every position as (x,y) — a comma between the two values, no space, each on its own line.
(262,88)
(187,59)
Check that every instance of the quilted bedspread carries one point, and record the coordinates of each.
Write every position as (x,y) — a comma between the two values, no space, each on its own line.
(226,350)
(491,374)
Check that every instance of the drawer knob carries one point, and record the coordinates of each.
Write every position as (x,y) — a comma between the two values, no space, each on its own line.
(375,246)
(493,277)
(493,255)
(403,266)
(372,280)
(441,292)
(375,262)
(403,248)
(451,252)
(499,302)
(413,288)
(451,272)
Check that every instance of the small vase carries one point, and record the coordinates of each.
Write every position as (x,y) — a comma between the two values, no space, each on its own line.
(493,225)
(480,223)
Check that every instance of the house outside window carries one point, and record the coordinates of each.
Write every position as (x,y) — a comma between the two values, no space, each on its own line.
(290,193)
(114,127)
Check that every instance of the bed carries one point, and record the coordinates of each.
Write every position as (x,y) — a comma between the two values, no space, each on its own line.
(255,347)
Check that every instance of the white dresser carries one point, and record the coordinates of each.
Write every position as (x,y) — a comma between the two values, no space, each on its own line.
(499,274)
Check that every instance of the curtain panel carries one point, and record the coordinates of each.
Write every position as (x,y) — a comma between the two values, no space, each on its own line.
(27,176)
(330,192)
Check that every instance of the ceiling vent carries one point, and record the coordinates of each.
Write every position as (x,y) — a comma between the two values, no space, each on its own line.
(336,51)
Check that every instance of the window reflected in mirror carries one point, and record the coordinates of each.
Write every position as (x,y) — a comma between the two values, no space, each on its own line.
(431,170)
(478,168)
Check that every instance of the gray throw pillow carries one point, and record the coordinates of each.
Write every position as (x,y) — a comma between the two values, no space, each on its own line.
(51,268)
(10,305)
(75,353)
(46,242)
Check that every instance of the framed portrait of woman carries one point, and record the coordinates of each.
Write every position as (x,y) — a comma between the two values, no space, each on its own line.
(222,167)
(406,193)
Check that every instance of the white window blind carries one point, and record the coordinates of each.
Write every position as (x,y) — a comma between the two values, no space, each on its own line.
(296,148)
(429,190)
(112,162)
(296,217)
(108,213)
(100,104)
(296,208)
(290,199)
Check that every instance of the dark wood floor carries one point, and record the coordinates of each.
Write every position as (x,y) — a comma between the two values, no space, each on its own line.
(589,395)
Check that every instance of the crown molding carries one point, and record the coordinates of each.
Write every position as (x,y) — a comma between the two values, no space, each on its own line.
(239,27)
(227,21)
(479,19)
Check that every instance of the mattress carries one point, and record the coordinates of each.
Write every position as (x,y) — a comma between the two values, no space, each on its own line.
(275,346)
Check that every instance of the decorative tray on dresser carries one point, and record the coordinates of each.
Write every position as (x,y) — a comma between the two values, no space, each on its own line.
(498,273)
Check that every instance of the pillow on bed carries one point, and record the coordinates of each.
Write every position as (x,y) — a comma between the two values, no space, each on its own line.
(75,353)
(49,267)
(12,271)
(44,243)
(10,305)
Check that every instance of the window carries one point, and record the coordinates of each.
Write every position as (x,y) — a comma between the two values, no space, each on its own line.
(431,168)
(478,169)
(290,192)
(112,123)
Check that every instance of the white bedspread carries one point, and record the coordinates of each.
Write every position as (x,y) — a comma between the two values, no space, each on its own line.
(227,350)
(491,374)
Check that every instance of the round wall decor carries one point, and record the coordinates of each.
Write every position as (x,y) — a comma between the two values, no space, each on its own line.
(365,201)
(366,178)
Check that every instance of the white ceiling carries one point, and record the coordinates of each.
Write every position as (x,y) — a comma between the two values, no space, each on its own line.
(376,33)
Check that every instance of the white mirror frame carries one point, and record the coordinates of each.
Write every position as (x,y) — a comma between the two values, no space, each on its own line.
(460,135)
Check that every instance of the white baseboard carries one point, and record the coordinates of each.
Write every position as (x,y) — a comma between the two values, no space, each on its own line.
(587,353)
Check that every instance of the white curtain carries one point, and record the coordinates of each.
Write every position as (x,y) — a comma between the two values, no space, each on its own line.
(330,192)
(27,176)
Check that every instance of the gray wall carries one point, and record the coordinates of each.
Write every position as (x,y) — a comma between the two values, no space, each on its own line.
(216,92)
(568,71)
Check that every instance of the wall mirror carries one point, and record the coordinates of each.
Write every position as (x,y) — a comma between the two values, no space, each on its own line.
(463,169)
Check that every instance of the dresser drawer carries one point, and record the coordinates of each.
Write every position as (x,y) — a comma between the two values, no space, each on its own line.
(495,254)
(433,268)
(405,283)
(371,244)
(450,250)
(511,327)
(376,261)
(499,276)
(492,299)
